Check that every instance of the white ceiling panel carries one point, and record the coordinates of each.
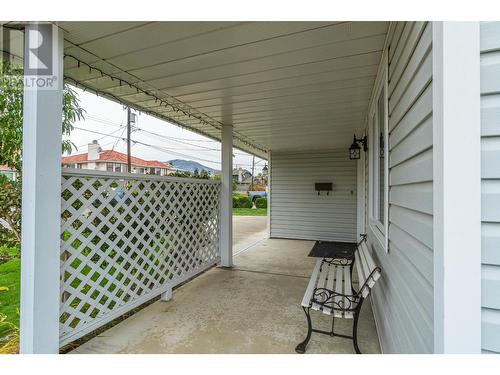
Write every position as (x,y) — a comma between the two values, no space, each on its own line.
(283,85)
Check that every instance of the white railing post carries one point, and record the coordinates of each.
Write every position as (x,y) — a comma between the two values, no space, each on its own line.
(226,204)
(457,187)
(41,184)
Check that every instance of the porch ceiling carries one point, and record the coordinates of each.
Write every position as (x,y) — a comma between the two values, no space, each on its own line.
(283,85)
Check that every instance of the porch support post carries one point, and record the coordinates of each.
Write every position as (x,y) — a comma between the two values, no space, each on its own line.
(360,194)
(269,192)
(226,204)
(41,198)
(457,187)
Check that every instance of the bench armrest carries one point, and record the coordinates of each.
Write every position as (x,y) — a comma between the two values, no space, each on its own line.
(370,281)
(334,300)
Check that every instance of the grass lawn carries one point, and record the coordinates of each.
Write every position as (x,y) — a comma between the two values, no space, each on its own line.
(250,211)
(9,299)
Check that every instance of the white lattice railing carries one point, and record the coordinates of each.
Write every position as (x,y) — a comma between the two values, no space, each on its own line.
(126,238)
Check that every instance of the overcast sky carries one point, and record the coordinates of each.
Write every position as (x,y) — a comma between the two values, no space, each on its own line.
(164,141)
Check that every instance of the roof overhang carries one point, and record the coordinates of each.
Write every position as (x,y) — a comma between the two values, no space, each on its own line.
(282,85)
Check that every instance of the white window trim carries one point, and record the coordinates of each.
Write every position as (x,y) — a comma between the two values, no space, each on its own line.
(380,230)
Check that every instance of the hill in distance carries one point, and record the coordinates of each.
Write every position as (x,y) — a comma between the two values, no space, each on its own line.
(189,165)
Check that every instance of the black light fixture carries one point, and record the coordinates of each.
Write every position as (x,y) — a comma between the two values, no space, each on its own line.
(355,150)
(265,169)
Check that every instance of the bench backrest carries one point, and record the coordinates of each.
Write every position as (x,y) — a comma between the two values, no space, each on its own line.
(368,272)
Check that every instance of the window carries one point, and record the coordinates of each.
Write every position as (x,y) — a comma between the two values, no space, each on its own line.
(10,175)
(378,176)
(115,167)
(380,151)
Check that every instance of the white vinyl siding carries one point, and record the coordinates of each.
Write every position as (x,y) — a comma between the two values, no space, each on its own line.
(403,300)
(490,174)
(297,211)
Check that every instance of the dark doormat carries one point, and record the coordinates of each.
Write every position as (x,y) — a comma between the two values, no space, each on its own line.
(333,249)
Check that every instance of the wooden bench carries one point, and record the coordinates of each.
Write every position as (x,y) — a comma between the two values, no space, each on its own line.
(331,291)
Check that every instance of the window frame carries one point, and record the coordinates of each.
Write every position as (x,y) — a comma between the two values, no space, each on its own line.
(379,228)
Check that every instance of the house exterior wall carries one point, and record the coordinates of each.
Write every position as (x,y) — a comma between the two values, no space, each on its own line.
(403,298)
(297,211)
(490,177)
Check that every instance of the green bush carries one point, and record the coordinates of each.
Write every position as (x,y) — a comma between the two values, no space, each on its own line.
(245,202)
(261,203)
(236,200)
(242,202)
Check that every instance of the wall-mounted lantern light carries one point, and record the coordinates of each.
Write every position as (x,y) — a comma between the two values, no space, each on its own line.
(355,150)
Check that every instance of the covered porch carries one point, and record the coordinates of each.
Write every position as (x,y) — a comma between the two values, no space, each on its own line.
(293,93)
(250,308)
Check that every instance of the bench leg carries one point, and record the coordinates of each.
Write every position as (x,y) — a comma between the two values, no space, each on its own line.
(355,327)
(301,348)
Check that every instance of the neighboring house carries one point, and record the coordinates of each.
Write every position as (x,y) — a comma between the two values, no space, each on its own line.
(114,161)
(7,171)
(257,180)
(240,174)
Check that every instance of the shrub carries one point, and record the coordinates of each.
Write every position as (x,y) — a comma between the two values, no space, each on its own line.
(245,202)
(10,212)
(236,200)
(261,203)
(242,202)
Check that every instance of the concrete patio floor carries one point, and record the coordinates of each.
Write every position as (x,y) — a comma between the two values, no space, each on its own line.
(251,308)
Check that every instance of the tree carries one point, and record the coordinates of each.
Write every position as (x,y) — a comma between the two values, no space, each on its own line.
(204,175)
(181,174)
(11,137)
(10,212)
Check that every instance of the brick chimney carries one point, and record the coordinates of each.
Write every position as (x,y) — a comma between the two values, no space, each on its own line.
(94,150)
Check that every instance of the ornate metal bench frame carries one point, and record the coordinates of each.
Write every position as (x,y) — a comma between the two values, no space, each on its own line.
(326,298)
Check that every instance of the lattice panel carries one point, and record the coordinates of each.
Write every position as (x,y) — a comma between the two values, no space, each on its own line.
(127,238)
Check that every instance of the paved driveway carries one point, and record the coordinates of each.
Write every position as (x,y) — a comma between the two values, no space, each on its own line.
(247,231)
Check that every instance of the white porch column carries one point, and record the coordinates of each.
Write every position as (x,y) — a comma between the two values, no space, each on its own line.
(269,191)
(41,198)
(360,194)
(226,204)
(457,187)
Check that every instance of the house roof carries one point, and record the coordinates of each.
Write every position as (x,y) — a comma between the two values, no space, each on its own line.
(5,167)
(114,156)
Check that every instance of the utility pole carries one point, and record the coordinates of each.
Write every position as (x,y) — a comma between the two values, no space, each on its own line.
(129,158)
(253,168)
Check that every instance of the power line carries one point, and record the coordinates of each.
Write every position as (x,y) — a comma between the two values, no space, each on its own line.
(171,139)
(121,137)
(109,122)
(98,139)
(160,148)
(103,120)
(174,139)
(157,147)
(187,143)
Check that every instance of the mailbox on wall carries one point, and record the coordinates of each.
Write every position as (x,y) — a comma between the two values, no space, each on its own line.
(323,186)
